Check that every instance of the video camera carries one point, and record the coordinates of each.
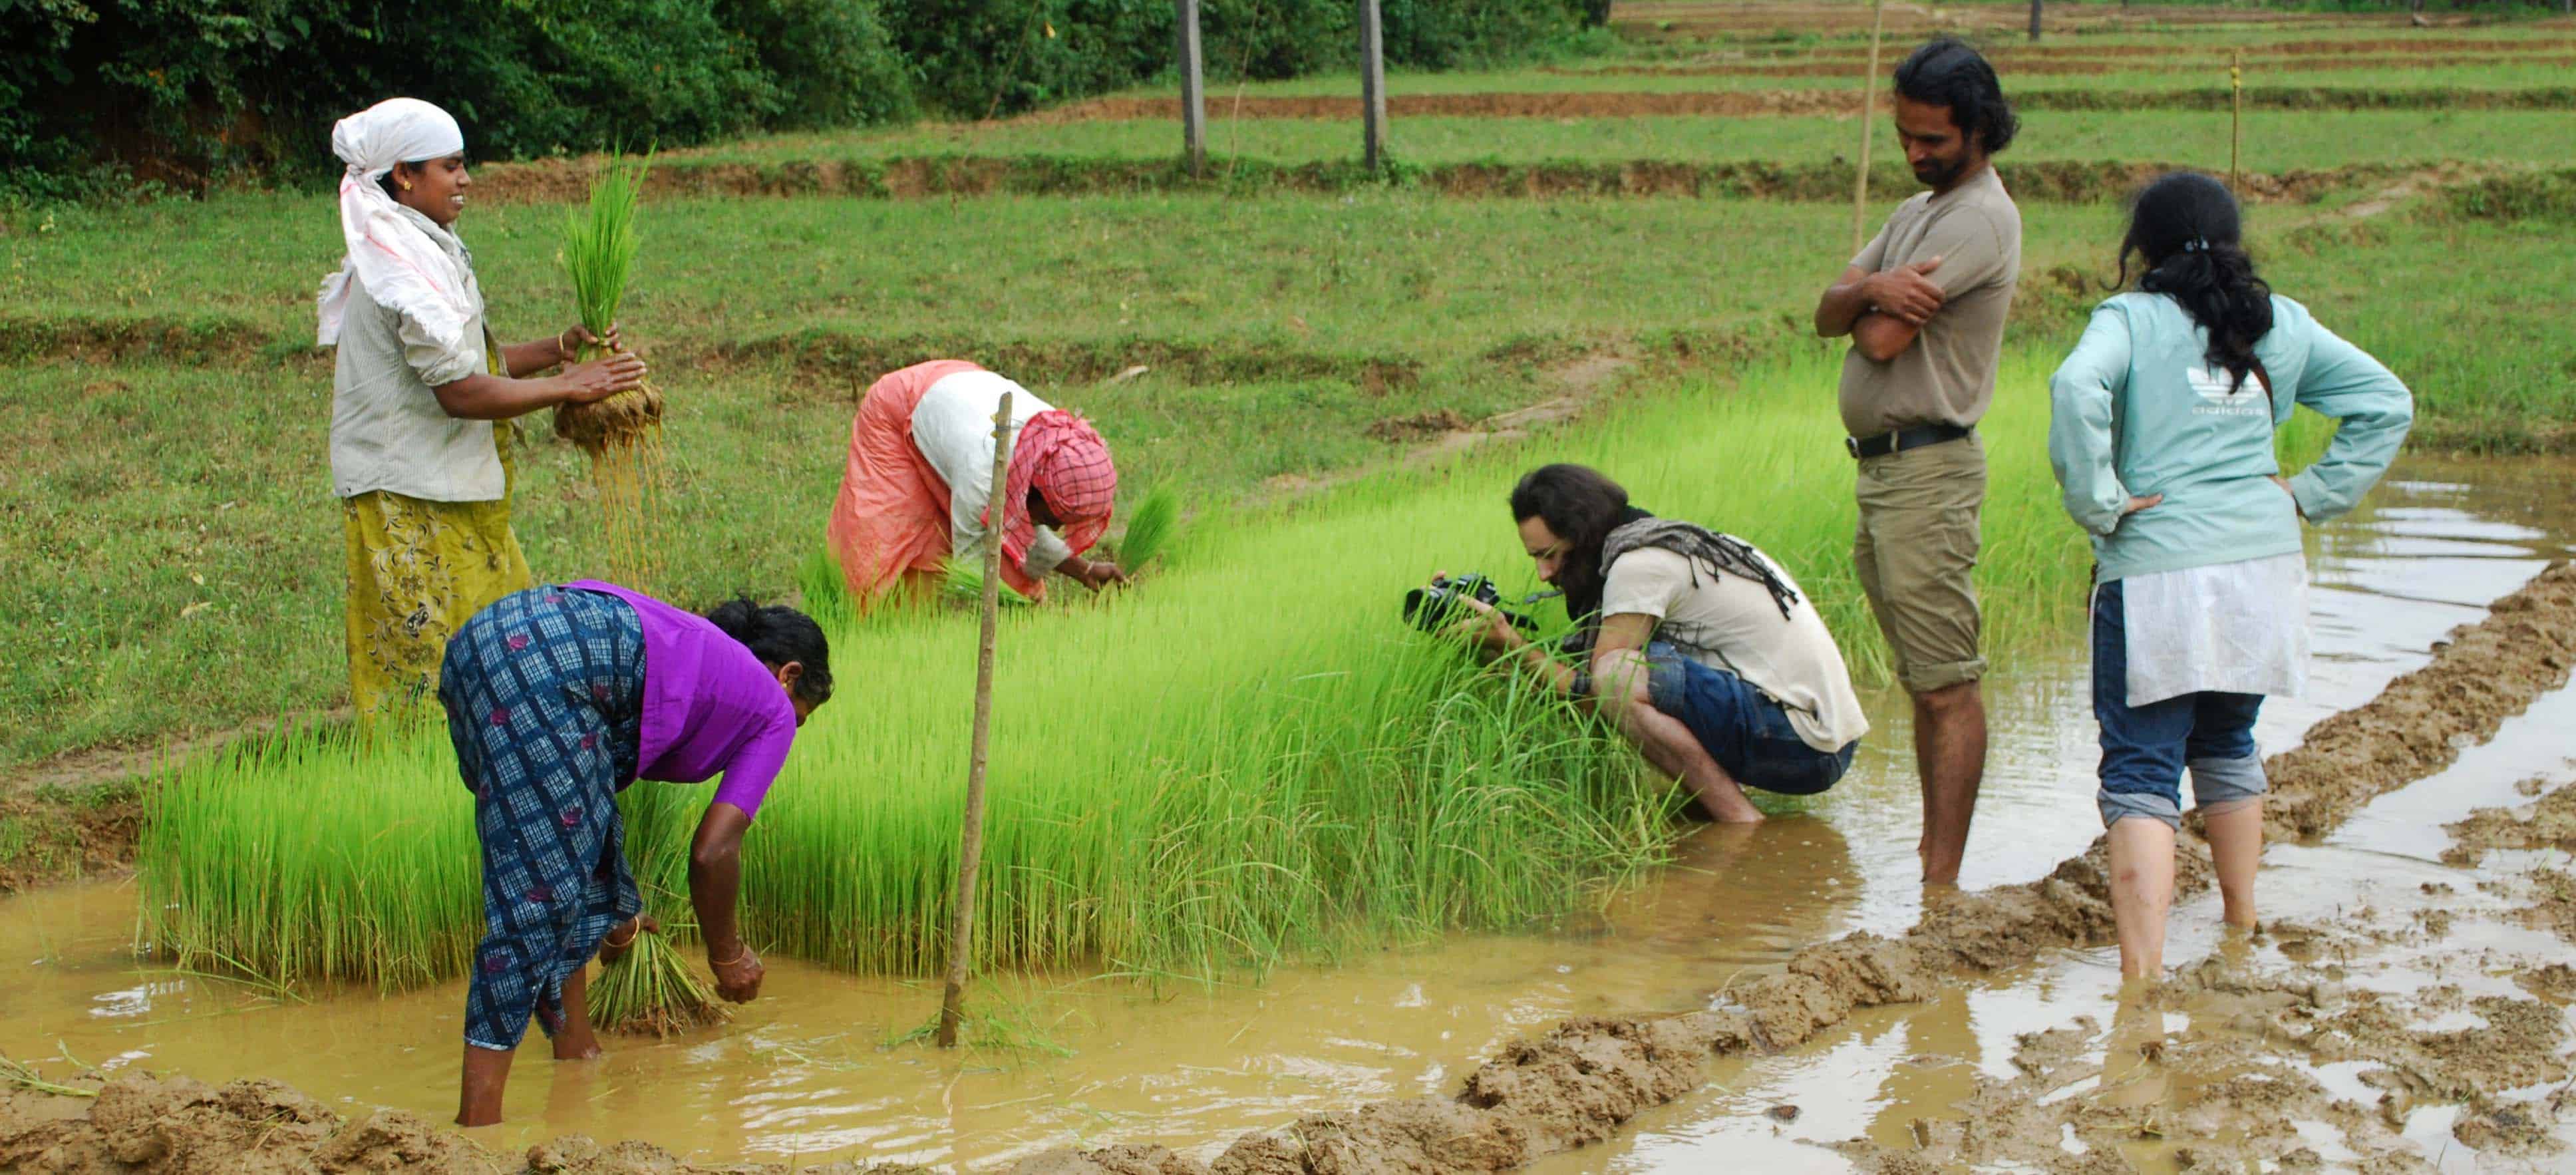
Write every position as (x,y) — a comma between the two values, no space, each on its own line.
(1436,606)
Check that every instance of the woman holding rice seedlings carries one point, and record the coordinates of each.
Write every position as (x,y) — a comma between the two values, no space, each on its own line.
(422,472)
(557,698)
(921,466)
(2162,437)
(1700,648)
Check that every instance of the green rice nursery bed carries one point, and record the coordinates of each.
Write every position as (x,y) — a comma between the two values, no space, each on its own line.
(1247,759)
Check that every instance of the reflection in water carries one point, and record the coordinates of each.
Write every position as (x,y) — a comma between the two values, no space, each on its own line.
(809,1072)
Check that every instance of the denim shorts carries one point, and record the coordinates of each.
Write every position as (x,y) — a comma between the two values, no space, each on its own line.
(1742,728)
(2145,749)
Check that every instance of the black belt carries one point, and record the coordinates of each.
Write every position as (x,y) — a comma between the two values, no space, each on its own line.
(1905,438)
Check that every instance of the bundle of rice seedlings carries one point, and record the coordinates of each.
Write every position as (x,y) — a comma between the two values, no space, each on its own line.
(599,247)
(965,584)
(652,990)
(1150,529)
(622,433)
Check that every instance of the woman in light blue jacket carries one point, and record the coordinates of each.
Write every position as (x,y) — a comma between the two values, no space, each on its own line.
(2161,435)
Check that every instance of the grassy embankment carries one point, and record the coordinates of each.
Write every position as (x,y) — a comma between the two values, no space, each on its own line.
(1279,330)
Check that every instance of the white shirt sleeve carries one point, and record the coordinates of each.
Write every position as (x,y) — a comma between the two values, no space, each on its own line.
(1645,582)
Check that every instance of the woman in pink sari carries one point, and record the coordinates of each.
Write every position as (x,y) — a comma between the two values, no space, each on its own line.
(921,468)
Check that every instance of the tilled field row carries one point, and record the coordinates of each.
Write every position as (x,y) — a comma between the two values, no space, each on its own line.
(2051,181)
(2071,66)
(1756,103)
(2010,55)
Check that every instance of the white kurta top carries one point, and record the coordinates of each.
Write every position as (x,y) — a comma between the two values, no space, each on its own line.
(2239,628)
(953,428)
(388,431)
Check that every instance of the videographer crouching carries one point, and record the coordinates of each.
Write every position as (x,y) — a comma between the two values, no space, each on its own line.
(1741,685)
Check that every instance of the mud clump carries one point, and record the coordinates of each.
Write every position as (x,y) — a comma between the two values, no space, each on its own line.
(2551,825)
(44,838)
(256,1126)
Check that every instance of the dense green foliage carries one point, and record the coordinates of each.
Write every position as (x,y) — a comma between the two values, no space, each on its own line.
(184,92)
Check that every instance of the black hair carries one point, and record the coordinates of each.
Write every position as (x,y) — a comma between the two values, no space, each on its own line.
(778,634)
(1947,72)
(1582,505)
(2186,230)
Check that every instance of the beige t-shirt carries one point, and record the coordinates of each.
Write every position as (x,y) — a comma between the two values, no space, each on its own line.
(1729,622)
(1948,375)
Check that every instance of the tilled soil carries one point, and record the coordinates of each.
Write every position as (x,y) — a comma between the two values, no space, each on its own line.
(1754,103)
(1581,1081)
(2085,66)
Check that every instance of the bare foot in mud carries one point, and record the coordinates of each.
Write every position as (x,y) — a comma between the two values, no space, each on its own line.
(2133,1071)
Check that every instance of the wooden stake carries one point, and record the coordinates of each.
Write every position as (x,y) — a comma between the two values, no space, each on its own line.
(970,845)
(2236,119)
(1193,91)
(1372,87)
(1868,125)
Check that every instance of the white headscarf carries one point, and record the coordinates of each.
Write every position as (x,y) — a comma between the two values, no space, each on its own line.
(390,255)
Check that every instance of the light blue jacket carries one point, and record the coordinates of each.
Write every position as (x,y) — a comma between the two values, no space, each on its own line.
(2137,410)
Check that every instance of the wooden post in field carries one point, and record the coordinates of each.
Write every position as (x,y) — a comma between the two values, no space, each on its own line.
(2034,21)
(2236,120)
(970,844)
(1193,91)
(1372,87)
(1868,125)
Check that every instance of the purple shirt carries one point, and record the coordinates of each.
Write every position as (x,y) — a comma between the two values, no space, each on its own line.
(709,704)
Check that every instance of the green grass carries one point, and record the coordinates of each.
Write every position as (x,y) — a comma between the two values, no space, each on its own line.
(1244,764)
(2274,141)
(1279,329)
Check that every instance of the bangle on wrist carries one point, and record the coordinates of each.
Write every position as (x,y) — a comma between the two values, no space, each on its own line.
(738,956)
(630,939)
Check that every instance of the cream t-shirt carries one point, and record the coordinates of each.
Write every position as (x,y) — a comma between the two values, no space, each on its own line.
(1729,622)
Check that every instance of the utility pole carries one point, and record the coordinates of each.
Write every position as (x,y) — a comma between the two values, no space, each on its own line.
(1372,87)
(1193,91)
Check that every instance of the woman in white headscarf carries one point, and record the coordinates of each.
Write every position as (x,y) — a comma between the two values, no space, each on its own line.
(420,448)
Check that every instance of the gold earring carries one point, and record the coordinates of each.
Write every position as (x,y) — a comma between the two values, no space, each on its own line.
(406,185)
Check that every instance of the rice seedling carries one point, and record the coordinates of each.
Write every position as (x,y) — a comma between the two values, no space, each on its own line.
(1150,529)
(1237,768)
(652,990)
(623,433)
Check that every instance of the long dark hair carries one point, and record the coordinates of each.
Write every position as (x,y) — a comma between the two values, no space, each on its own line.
(777,635)
(1947,71)
(1582,506)
(2187,232)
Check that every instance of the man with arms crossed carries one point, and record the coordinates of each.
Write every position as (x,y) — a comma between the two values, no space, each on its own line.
(1924,304)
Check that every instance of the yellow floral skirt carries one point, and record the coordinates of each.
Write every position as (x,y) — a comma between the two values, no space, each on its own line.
(417,571)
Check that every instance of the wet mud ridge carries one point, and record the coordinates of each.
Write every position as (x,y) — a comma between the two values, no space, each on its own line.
(1582,1081)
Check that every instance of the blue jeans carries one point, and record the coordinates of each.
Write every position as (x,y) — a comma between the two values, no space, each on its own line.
(1746,732)
(2145,748)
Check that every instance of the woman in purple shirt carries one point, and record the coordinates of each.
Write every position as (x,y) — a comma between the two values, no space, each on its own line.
(558,697)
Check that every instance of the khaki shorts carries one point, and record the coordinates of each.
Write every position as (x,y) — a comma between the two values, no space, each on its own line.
(1917,556)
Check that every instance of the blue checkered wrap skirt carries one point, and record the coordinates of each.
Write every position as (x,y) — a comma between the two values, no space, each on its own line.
(544,692)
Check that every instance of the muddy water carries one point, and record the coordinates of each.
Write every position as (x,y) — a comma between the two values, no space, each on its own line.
(2440,539)
(811,1070)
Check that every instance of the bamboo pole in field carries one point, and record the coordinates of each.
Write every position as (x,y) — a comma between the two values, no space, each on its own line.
(1868,116)
(2235,119)
(970,845)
